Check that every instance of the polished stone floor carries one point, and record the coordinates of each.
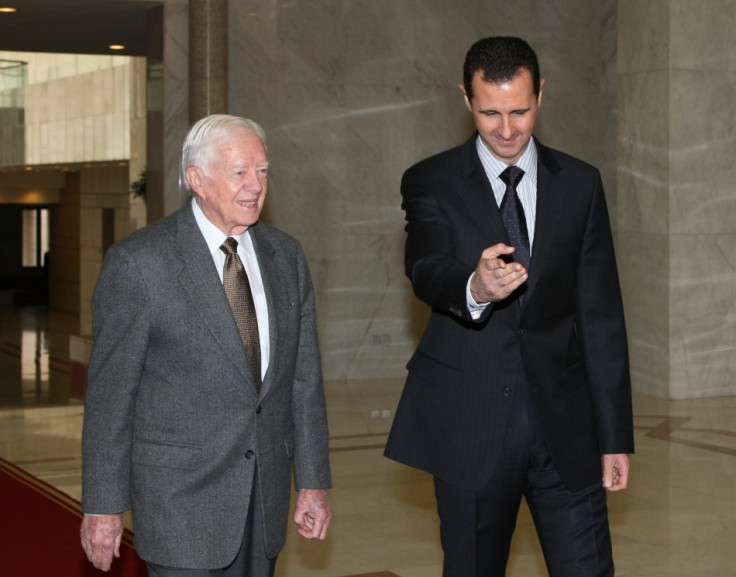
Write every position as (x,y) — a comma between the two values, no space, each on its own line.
(678,519)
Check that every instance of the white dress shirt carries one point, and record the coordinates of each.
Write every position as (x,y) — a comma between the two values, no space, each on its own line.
(526,190)
(214,238)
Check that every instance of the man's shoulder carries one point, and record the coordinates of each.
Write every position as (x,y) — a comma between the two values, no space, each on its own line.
(154,238)
(555,159)
(449,159)
(276,237)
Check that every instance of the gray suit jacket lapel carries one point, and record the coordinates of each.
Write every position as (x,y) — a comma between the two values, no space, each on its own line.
(201,281)
(271,265)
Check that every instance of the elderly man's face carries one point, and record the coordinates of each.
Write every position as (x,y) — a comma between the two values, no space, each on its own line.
(231,192)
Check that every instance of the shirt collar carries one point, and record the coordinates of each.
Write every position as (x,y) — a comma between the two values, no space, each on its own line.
(212,235)
(493,166)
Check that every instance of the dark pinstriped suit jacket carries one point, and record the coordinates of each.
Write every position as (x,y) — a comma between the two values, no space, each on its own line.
(567,343)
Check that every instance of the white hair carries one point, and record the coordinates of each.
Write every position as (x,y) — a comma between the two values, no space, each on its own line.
(205,137)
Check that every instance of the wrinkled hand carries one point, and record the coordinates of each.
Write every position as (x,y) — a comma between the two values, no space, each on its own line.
(616,472)
(101,536)
(312,513)
(494,278)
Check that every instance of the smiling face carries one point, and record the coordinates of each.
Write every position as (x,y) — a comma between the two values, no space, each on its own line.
(232,189)
(505,113)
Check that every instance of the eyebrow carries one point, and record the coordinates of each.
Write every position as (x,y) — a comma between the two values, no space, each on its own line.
(486,110)
(246,166)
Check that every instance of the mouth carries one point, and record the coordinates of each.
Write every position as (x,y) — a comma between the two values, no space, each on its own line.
(247,203)
(506,141)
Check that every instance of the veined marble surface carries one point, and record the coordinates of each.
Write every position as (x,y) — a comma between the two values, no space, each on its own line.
(353,93)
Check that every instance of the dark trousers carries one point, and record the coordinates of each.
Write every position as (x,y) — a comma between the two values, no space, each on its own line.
(251,560)
(476,527)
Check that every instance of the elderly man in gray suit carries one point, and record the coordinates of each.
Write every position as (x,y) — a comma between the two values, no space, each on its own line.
(181,424)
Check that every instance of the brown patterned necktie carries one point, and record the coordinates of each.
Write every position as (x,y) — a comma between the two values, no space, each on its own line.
(237,289)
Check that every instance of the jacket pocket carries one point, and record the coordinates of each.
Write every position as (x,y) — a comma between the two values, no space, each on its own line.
(170,455)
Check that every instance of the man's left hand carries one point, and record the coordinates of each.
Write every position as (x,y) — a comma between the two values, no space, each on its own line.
(616,471)
(312,513)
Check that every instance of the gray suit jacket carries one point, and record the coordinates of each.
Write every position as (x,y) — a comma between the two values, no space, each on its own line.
(173,425)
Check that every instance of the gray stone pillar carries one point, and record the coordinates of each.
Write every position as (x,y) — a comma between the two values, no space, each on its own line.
(677,194)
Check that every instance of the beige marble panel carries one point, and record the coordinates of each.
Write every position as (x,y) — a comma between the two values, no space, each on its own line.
(702,35)
(643,153)
(379,49)
(312,42)
(644,270)
(643,35)
(703,270)
(703,143)
(78,118)
(352,95)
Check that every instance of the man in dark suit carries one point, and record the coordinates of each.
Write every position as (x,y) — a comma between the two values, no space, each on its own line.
(520,384)
(181,423)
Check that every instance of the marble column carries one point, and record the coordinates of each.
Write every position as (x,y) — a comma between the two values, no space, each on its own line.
(167,119)
(677,194)
(208,40)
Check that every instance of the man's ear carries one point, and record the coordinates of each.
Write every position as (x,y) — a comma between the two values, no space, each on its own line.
(539,96)
(465,96)
(194,178)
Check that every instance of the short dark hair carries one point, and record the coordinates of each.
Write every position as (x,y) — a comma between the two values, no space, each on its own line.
(499,58)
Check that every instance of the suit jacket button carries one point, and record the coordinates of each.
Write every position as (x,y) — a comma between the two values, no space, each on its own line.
(258,410)
(249,454)
(507,391)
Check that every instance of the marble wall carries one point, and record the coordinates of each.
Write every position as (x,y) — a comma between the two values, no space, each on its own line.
(77,107)
(677,193)
(352,93)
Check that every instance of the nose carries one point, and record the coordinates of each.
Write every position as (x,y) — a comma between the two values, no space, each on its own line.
(252,182)
(506,130)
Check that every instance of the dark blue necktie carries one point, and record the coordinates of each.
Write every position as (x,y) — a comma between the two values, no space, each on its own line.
(514,220)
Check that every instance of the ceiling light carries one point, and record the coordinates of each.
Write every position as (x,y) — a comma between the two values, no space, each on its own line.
(117,47)
(7,9)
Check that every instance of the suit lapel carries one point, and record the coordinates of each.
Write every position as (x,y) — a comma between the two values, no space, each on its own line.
(477,194)
(200,280)
(271,265)
(549,210)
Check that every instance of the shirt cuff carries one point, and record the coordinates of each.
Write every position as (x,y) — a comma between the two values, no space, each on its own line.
(475,309)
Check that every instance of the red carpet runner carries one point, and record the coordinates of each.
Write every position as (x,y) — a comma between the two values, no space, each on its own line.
(39,532)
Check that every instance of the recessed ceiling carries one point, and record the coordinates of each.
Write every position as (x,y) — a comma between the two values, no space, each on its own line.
(75,26)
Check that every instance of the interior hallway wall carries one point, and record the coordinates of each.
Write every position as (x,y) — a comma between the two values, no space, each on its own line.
(77,107)
(677,205)
(353,93)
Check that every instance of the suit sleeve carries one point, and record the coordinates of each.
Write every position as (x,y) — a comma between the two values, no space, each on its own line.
(311,452)
(438,278)
(120,319)
(602,331)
